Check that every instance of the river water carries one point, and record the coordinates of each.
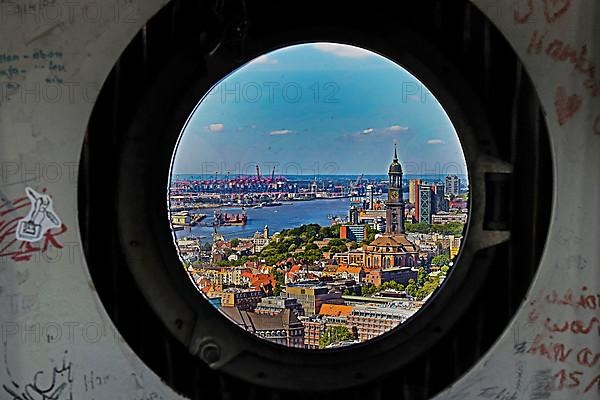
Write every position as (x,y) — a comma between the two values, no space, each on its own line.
(288,215)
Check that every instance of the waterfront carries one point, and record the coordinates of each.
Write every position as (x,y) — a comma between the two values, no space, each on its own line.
(288,215)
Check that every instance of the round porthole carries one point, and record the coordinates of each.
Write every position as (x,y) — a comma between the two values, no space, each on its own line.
(288,217)
(130,169)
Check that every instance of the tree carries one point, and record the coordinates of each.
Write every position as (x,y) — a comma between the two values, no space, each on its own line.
(324,232)
(368,289)
(311,255)
(421,277)
(329,231)
(420,227)
(412,288)
(279,281)
(336,242)
(335,334)
(235,242)
(371,232)
(432,283)
(338,249)
(390,285)
(440,261)
(451,228)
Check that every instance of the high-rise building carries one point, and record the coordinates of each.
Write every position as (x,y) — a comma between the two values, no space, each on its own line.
(413,190)
(354,232)
(394,220)
(426,203)
(452,184)
(370,197)
(441,204)
(353,215)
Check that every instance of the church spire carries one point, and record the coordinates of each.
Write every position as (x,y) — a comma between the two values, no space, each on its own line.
(394,213)
(395,168)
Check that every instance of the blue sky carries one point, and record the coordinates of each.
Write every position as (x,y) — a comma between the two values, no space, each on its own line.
(319,107)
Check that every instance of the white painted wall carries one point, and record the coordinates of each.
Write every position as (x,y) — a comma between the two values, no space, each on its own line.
(42,125)
(50,314)
(516,366)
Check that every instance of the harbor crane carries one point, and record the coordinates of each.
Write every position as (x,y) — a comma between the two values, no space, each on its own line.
(358,179)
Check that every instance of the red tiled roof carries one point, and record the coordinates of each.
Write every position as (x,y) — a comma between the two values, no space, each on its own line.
(335,310)
(296,268)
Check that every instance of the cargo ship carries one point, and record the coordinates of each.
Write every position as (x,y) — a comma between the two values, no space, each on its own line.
(226,219)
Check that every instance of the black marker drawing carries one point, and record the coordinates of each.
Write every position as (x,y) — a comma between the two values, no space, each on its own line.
(41,217)
(50,384)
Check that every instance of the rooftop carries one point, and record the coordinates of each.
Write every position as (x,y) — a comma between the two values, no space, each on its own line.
(253,322)
(335,310)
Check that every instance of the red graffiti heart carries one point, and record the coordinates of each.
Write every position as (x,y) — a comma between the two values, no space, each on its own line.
(566,106)
(554,9)
(522,10)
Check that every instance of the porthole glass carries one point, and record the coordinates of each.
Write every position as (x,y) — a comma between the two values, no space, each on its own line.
(318,196)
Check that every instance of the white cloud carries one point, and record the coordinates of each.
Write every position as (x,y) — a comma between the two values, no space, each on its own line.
(367,131)
(216,127)
(280,132)
(265,59)
(397,128)
(342,50)
(435,141)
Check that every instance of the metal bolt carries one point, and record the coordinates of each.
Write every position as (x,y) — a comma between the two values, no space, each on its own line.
(210,352)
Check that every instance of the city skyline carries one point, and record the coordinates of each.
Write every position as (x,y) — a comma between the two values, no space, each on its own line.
(319,109)
(316,278)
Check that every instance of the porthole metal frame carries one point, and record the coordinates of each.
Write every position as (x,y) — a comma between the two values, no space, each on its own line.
(153,260)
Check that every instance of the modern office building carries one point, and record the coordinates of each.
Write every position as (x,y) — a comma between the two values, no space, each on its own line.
(353,214)
(356,232)
(413,190)
(441,203)
(426,204)
(452,183)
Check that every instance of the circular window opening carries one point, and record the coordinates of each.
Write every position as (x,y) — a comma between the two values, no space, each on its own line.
(318,196)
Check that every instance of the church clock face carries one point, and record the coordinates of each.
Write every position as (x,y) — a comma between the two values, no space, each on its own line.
(393,195)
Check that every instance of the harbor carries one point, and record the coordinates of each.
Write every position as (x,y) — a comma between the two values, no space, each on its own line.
(285,216)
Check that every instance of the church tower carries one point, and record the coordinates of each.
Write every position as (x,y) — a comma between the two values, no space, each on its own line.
(394,217)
